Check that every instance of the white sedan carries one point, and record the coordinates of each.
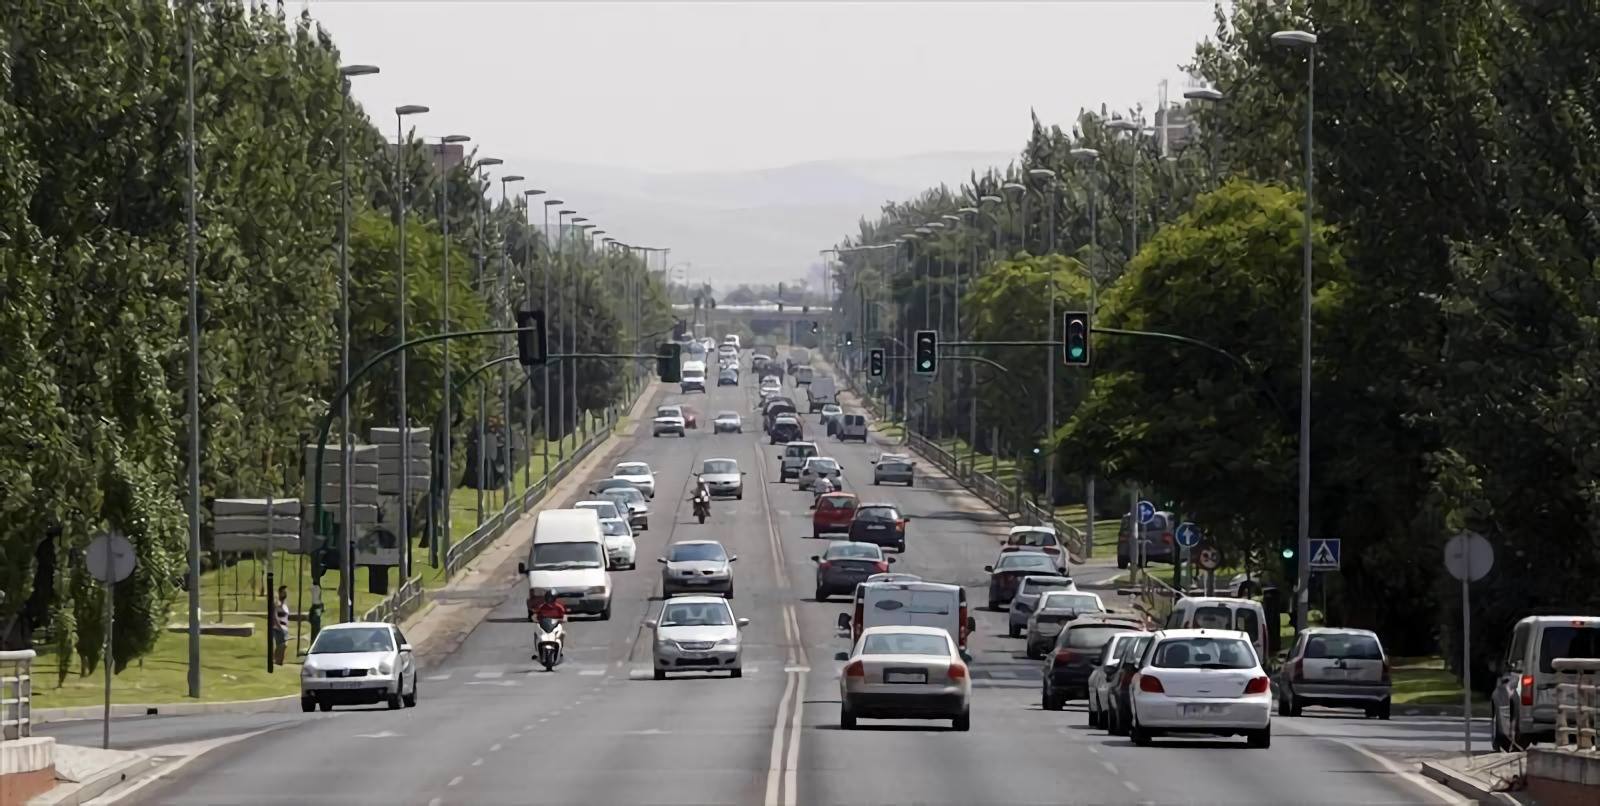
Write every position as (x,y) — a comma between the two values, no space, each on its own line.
(639,475)
(818,466)
(1201,681)
(621,550)
(905,672)
(727,421)
(357,663)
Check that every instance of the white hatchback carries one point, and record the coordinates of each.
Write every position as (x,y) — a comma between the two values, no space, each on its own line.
(639,475)
(1201,681)
(622,552)
(905,672)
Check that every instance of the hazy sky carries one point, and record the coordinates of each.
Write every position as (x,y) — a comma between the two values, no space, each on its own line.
(681,86)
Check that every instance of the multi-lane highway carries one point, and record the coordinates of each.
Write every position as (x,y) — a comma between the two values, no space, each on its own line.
(492,727)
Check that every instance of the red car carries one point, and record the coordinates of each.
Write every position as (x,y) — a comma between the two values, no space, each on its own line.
(833,513)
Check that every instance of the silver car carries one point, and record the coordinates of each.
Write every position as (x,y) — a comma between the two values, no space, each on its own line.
(722,477)
(727,422)
(358,663)
(1057,609)
(633,500)
(696,634)
(895,469)
(697,566)
(1103,676)
(818,466)
(1027,597)
(1335,668)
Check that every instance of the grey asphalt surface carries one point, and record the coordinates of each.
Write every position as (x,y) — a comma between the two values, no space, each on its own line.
(492,727)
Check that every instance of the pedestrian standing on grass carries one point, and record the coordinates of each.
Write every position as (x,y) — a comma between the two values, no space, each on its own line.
(280,625)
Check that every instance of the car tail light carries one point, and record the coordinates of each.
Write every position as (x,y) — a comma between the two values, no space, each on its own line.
(1051,550)
(855,626)
(1385,670)
(855,669)
(1259,685)
(824,565)
(958,671)
(1527,689)
(1064,656)
(1151,684)
(963,628)
(1166,537)
(1299,669)
(883,567)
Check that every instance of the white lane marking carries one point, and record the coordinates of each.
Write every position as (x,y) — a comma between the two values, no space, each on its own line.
(1417,779)
(436,802)
(794,669)
(494,748)
(1132,787)
(477,762)
(456,781)
(775,760)
(593,672)
(790,770)
(543,718)
(1094,750)
(486,675)
(1111,768)
(382,734)
(514,736)
(445,676)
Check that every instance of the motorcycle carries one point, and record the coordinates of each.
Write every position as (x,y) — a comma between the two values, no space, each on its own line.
(702,508)
(549,636)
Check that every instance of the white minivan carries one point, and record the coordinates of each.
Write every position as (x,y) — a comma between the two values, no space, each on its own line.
(922,604)
(569,557)
(1222,613)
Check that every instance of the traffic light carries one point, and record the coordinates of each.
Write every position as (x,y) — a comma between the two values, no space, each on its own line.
(815,327)
(875,362)
(849,338)
(1075,351)
(531,339)
(669,362)
(1290,564)
(926,352)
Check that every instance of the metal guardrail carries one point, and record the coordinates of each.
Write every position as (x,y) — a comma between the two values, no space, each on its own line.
(395,607)
(16,694)
(1155,597)
(1577,704)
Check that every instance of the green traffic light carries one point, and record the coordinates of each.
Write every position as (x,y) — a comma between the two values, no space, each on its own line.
(1288,554)
(1077,352)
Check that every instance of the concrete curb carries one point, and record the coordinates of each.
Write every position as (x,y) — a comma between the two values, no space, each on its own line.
(67,794)
(123,710)
(1465,785)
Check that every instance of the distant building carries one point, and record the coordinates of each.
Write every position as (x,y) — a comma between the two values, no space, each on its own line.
(1179,128)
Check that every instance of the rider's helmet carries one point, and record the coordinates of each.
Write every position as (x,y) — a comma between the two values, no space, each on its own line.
(549,597)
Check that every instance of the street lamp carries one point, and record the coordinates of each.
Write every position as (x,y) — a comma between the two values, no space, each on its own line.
(505,377)
(544,372)
(481,472)
(346,594)
(400,113)
(1308,41)
(1048,178)
(569,367)
(527,296)
(444,444)
(1210,96)
(1091,157)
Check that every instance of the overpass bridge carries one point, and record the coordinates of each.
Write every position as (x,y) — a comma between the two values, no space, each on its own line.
(792,321)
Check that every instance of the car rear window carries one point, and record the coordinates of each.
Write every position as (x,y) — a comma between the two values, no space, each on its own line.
(927,603)
(1016,562)
(1031,539)
(855,551)
(1204,653)
(1214,617)
(876,514)
(1070,601)
(1568,642)
(800,450)
(836,502)
(1245,621)
(1349,646)
(1091,637)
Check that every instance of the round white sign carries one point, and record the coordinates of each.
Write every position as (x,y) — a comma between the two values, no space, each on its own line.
(109,557)
(1468,556)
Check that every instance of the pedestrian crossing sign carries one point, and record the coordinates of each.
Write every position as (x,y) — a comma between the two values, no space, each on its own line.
(1325,554)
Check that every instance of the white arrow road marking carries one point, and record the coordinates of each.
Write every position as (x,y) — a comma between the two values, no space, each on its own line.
(501,683)
(382,734)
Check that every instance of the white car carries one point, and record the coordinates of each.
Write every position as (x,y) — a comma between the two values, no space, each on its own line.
(622,551)
(697,634)
(905,672)
(818,466)
(1200,681)
(639,475)
(358,663)
(727,421)
(668,420)
(770,386)
(604,508)
(723,477)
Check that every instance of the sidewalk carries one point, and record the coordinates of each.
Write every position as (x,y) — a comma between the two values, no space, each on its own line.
(1484,778)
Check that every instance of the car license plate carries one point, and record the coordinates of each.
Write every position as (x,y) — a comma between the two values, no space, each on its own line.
(905,676)
(697,580)
(1191,709)
(878,528)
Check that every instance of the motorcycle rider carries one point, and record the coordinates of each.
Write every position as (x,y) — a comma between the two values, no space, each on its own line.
(550,608)
(701,494)
(822,486)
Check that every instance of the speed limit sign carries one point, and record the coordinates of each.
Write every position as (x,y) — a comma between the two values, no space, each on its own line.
(1209,558)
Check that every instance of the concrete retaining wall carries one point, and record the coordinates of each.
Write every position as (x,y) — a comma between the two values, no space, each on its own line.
(27,769)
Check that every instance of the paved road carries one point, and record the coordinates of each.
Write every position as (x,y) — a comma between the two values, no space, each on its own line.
(494,728)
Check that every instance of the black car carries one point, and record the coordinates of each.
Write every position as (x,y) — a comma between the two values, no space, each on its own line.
(880,524)
(784,432)
(845,565)
(1007,573)
(1077,652)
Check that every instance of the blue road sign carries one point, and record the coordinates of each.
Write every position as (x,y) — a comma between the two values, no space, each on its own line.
(1147,512)
(1188,535)
(1325,554)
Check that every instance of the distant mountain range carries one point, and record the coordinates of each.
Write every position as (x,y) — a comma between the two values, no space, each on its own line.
(759,226)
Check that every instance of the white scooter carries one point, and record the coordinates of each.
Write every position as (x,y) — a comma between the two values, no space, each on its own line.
(549,636)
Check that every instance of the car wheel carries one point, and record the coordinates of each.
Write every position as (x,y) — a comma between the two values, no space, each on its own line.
(1259,739)
(661,674)
(1122,562)
(393,701)
(821,595)
(736,672)
(847,719)
(605,615)
(1033,653)
(816,535)
(324,706)
(963,721)
(308,704)
(739,496)
(901,547)
(875,481)
(1137,733)
(729,594)
(1383,710)
(1016,633)
(1295,705)
(411,699)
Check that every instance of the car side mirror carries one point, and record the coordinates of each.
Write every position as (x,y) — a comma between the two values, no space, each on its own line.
(522,568)
(733,559)
(405,647)
(966,657)
(816,559)
(697,475)
(841,656)
(972,624)
(989,568)
(662,560)
(743,622)
(651,623)
(891,561)
(844,622)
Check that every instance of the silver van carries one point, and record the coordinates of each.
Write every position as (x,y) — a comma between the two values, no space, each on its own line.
(1524,697)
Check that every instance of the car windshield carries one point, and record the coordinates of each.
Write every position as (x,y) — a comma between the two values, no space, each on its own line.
(697,552)
(719,466)
(1091,636)
(801,451)
(1204,653)
(668,411)
(727,415)
(626,495)
(1568,642)
(614,527)
(854,551)
(353,639)
(1014,561)
(1032,538)
(905,643)
(604,509)
(696,614)
(823,464)
(1069,601)
(632,469)
(1344,645)
(878,514)
(836,502)
(558,556)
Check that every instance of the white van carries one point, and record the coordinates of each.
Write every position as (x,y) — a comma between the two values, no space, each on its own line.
(1222,613)
(693,377)
(569,557)
(1524,695)
(923,604)
(733,339)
